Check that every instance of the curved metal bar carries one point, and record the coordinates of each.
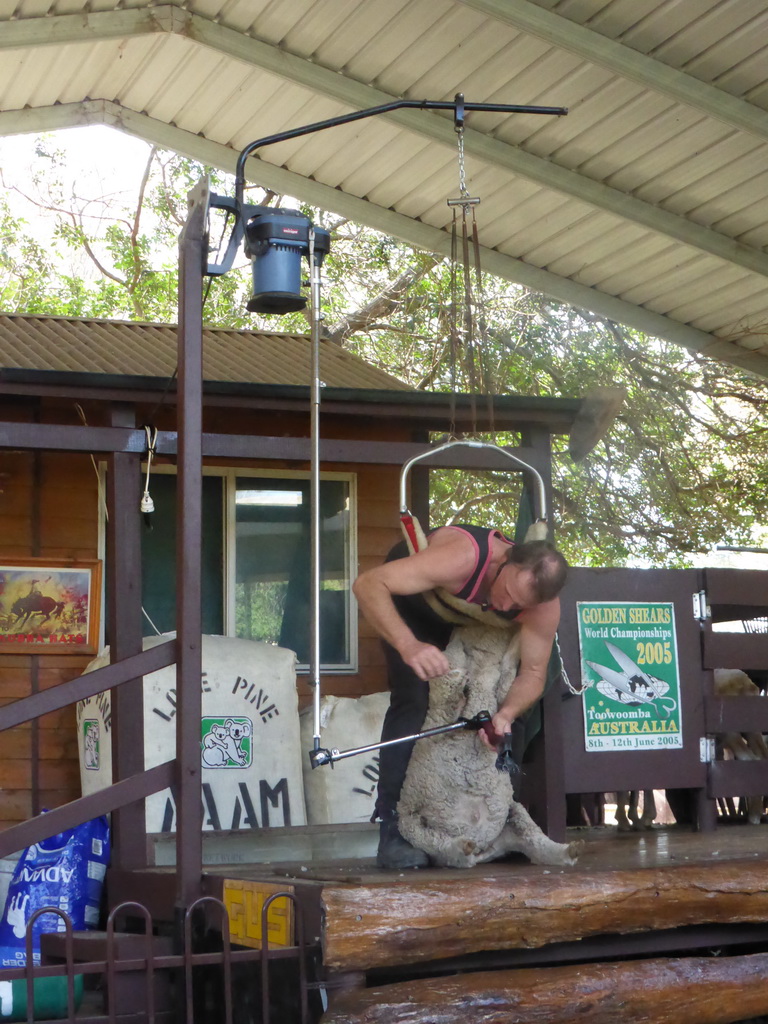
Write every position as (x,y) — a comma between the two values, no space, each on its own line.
(541,503)
(68,959)
(236,206)
(149,979)
(226,956)
(301,946)
(384,108)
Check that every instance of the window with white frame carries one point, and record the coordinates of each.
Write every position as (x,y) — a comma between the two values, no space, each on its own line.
(257,560)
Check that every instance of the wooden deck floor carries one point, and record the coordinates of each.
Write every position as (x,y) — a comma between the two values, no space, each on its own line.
(506,935)
(648,905)
(605,849)
(638,893)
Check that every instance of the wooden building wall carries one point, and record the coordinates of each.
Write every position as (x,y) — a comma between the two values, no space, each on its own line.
(49,508)
(377,513)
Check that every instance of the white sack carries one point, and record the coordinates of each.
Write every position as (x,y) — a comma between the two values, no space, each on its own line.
(249,736)
(347,791)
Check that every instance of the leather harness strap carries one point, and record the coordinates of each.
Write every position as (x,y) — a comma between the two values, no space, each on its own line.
(443,603)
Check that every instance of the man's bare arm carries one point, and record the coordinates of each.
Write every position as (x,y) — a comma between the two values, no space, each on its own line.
(537,634)
(444,563)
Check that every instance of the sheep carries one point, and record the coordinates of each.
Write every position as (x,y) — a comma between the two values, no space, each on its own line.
(741,747)
(455,804)
(627,817)
(748,746)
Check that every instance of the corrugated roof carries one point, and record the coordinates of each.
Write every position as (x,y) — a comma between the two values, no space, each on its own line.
(648,203)
(149,350)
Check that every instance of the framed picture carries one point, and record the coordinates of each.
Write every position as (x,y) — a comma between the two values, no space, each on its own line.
(49,606)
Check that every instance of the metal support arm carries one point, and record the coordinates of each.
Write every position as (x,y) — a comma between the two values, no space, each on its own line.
(236,206)
(541,500)
(241,212)
(322,756)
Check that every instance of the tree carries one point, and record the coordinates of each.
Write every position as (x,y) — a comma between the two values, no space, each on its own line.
(105,255)
(681,469)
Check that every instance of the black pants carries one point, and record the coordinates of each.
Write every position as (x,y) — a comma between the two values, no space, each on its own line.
(409,697)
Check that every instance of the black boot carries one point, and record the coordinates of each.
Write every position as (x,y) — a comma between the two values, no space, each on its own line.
(396,853)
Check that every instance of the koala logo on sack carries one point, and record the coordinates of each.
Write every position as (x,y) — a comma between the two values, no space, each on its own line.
(91,744)
(226,742)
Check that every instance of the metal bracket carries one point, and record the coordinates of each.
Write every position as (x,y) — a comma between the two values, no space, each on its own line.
(701,611)
(458,111)
(706,749)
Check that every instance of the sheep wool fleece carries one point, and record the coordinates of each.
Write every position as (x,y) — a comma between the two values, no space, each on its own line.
(455,805)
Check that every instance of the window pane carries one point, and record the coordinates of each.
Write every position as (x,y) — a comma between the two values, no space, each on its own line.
(158,556)
(273,565)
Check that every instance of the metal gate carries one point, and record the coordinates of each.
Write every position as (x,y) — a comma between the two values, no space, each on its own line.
(144,974)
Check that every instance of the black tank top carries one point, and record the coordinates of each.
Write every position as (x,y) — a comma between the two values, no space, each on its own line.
(481,538)
(418,615)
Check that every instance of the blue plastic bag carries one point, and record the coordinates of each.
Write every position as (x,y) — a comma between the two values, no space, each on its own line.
(65,871)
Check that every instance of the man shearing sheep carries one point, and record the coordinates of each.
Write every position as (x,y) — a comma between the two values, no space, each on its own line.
(412,602)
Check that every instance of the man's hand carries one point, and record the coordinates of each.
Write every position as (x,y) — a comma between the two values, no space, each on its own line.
(501,724)
(426,660)
(537,633)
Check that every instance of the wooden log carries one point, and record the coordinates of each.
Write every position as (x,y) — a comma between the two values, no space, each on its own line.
(403,922)
(695,990)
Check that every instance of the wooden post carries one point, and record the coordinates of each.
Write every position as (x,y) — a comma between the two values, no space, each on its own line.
(189,819)
(124,625)
(383,925)
(695,990)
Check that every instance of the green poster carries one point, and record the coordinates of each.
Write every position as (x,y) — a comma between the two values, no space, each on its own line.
(629,666)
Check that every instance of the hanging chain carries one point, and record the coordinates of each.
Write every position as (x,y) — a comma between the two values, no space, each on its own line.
(464,200)
(462,171)
(564,674)
(467,350)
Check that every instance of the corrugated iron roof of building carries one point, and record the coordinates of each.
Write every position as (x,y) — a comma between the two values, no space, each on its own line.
(66,356)
(123,348)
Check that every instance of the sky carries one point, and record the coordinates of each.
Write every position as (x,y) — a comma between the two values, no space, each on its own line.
(100,160)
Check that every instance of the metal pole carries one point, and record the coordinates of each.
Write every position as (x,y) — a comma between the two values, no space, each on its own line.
(314,488)
(321,756)
(340,755)
(189,823)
